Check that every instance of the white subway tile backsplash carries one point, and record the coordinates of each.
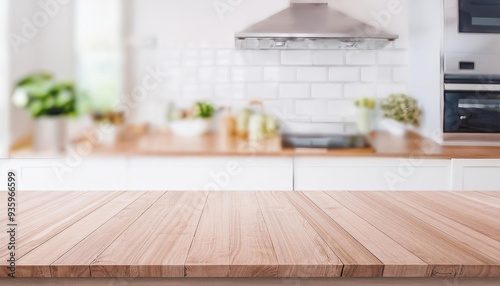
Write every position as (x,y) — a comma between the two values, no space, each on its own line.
(171,58)
(311,107)
(247,74)
(221,74)
(262,90)
(207,58)
(312,74)
(294,90)
(241,58)
(206,74)
(357,90)
(328,57)
(400,74)
(197,91)
(393,57)
(281,109)
(190,58)
(326,90)
(376,74)
(229,91)
(211,74)
(296,58)
(361,57)
(344,74)
(264,58)
(309,91)
(279,74)
(224,57)
(343,108)
(327,118)
(384,90)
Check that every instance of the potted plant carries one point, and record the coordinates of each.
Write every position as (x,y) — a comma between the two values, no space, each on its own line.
(401,113)
(192,122)
(364,114)
(49,102)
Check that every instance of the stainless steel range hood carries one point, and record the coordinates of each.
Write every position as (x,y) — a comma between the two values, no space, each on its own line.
(311,24)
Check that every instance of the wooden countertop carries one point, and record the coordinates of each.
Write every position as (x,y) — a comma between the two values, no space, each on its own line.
(166,144)
(256,234)
(384,145)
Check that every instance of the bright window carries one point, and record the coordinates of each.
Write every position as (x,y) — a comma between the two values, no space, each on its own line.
(99,52)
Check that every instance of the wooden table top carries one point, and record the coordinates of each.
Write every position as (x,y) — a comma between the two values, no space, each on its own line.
(256,234)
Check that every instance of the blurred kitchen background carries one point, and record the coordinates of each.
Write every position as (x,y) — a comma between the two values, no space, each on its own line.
(155,61)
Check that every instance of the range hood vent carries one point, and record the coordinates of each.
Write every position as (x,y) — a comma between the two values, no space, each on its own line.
(309,24)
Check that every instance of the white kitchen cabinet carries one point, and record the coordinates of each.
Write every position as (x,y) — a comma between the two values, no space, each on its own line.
(153,173)
(476,174)
(323,174)
(211,173)
(85,174)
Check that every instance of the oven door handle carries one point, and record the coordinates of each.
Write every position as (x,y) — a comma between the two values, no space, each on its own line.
(479,106)
(471,87)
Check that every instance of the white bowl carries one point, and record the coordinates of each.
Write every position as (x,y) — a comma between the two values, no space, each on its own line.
(190,127)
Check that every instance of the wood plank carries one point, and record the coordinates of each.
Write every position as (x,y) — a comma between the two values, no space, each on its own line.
(251,243)
(455,199)
(39,230)
(481,198)
(113,261)
(397,260)
(415,240)
(209,255)
(358,261)
(495,194)
(76,262)
(468,264)
(45,254)
(299,249)
(473,242)
(461,214)
(231,240)
(253,282)
(34,204)
(160,252)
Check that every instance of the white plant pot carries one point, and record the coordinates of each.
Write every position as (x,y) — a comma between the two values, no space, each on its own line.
(190,127)
(50,134)
(364,120)
(394,127)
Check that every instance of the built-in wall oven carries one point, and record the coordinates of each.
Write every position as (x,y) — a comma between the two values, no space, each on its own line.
(471,61)
(471,109)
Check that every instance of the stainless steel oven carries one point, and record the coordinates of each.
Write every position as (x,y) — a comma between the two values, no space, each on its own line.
(471,109)
(471,69)
(472,37)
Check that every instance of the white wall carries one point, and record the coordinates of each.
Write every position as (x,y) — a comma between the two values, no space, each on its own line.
(313,89)
(4,79)
(46,45)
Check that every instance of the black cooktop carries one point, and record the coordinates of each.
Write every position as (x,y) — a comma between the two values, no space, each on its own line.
(329,141)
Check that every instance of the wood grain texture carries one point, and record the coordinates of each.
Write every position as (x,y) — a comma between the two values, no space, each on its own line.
(300,250)
(397,260)
(75,262)
(454,249)
(358,261)
(257,234)
(253,282)
(251,243)
(209,254)
(121,258)
(45,254)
